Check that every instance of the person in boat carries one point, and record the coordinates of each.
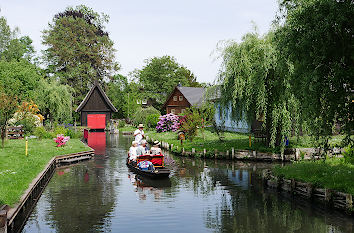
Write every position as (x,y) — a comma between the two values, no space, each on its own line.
(155,149)
(139,133)
(142,148)
(132,151)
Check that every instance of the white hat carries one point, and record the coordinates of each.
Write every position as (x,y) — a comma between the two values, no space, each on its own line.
(140,126)
(157,143)
(143,142)
(134,142)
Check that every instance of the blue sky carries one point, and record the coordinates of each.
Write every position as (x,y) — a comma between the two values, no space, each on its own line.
(189,30)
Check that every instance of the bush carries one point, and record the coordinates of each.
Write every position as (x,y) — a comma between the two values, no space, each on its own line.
(60,130)
(72,134)
(142,113)
(168,122)
(151,120)
(349,155)
(121,123)
(190,124)
(28,124)
(40,132)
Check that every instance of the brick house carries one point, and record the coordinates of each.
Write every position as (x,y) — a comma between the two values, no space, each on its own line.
(182,98)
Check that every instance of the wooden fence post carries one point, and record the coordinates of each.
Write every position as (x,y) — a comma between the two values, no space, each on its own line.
(204,152)
(328,195)
(3,221)
(228,154)
(349,201)
(193,151)
(216,153)
(233,153)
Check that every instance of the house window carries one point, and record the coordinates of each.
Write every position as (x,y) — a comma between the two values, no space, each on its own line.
(173,111)
(174,98)
(180,98)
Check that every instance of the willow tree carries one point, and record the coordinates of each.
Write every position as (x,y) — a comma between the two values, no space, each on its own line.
(255,79)
(79,49)
(317,36)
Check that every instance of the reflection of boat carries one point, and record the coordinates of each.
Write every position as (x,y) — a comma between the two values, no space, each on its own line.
(144,181)
(160,171)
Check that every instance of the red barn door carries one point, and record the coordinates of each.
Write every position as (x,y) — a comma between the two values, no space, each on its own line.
(96,121)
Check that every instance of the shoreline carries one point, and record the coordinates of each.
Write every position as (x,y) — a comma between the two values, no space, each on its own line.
(306,190)
(13,218)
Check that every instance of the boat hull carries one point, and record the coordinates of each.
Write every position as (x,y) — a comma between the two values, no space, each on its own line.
(157,174)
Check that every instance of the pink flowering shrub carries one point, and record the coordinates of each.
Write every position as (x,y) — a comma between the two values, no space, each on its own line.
(168,122)
(61,140)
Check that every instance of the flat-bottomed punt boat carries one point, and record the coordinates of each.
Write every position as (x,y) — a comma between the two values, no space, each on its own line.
(159,171)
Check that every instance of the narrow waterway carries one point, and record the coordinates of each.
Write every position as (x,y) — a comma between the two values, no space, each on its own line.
(102,195)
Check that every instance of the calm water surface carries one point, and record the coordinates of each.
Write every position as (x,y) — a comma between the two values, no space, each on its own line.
(102,195)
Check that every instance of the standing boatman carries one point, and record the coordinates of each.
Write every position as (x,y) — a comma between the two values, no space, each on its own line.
(139,133)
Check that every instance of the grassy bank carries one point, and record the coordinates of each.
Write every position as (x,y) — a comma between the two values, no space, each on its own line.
(239,141)
(332,174)
(17,171)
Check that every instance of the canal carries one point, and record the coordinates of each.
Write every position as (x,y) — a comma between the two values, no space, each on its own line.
(102,195)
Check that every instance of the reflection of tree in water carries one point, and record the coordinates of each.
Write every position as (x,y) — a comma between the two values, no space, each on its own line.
(250,210)
(82,199)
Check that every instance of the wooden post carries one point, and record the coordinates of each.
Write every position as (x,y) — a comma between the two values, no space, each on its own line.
(233,153)
(216,153)
(3,221)
(328,195)
(193,151)
(204,152)
(309,190)
(349,201)
(183,151)
(171,146)
(249,141)
(228,154)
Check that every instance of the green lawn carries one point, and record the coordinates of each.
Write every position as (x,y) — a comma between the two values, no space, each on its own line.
(17,171)
(237,140)
(332,173)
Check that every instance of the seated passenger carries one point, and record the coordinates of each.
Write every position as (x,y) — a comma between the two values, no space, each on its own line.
(155,149)
(143,148)
(132,151)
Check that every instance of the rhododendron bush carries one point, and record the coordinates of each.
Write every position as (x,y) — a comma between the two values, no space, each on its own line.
(61,140)
(168,122)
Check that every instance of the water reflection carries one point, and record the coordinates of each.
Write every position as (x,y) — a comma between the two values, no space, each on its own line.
(102,195)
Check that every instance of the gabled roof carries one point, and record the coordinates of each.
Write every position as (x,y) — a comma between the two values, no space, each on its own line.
(87,97)
(194,95)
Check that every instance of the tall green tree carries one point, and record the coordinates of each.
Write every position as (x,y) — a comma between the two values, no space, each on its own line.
(6,34)
(117,90)
(19,78)
(256,80)
(79,50)
(317,36)
(160,75)
(13,47)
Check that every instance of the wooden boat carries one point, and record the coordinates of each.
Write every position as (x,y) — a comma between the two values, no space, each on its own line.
(157,160)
